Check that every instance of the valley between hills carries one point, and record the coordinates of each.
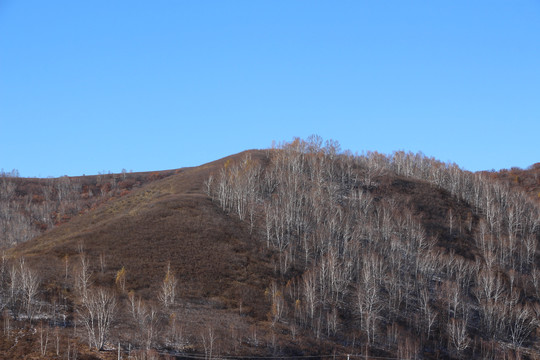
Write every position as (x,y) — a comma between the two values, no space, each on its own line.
(299,251)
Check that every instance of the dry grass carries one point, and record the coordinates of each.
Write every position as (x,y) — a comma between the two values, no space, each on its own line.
(219,266)
(222,269)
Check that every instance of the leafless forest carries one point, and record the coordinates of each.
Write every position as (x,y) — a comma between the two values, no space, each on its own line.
(353,261)
(394,256)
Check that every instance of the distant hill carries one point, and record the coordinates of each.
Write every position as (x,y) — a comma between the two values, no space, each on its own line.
(30,206)
(527,180)
(302,250)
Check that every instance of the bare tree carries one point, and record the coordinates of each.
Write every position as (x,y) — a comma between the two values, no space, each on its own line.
(368,303)
(30,285)
(522,322)
(310,292)
(457,332)
(43,338)
(530,247)
(97,313)
(150,327)
(430,315)
(278,303)
(146,319)
(167,292)
(490,285)
(208,337)
(83,276)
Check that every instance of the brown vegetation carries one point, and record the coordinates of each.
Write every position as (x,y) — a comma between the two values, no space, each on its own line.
(30,206)
(299,250)
(527,180)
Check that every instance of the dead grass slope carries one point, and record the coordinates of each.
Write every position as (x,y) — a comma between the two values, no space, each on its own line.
(170,220)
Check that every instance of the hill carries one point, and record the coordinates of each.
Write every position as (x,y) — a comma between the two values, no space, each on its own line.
(167,221)
(30,206)
(303,250)
(527,180)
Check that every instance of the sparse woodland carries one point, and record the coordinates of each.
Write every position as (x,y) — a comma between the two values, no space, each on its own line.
(30,206)
(363,268)
(38,312)
(391,256)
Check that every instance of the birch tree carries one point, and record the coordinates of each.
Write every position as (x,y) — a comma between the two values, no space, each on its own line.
(167,292)
(30,286)
(97,313)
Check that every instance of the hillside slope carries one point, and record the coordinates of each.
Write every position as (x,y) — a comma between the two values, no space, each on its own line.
(301,250)
(526,179)
(31,206)
(171,220)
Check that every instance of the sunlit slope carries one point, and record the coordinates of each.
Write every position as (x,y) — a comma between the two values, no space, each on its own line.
(306,250)
(171,220)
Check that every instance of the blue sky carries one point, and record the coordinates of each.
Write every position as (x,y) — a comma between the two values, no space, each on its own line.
(98,86)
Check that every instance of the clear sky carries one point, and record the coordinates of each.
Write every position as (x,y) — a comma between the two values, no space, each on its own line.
(98,86)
